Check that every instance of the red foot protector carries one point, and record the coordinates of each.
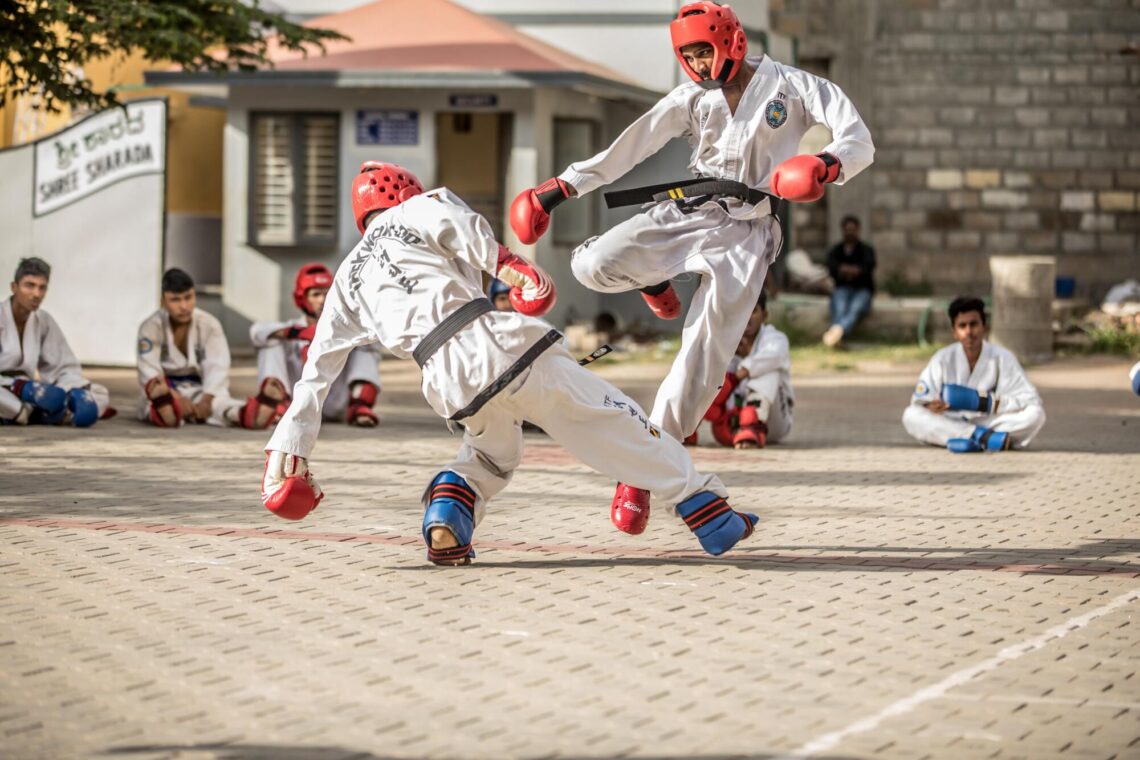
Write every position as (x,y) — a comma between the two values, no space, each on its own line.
(666,304)
(629,511)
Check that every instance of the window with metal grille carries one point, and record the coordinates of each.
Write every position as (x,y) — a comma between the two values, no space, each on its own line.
(293,172)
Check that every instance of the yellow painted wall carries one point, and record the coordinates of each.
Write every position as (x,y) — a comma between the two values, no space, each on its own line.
(194,137)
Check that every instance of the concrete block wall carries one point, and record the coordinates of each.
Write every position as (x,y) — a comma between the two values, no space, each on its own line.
(1000,128)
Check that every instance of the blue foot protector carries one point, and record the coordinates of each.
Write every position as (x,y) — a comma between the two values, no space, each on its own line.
(982,439)
(717,526)
(451,505)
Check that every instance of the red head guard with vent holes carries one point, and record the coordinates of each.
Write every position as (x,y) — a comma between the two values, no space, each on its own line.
(308,277)
(380,186)
(718,26)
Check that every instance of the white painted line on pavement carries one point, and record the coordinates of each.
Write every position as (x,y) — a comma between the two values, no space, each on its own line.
(905,705)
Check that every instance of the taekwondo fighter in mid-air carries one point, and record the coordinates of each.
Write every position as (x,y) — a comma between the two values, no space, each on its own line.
(184,365)
(744,117)
(414,285)
(41,381)
(754,406)
(973,396)
(281,349)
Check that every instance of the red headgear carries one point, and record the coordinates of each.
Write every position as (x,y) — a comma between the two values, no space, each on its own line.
(718,26)
(308,277)
(380,186)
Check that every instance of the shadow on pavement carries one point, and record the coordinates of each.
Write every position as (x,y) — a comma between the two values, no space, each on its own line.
(1067,561)
(286,752)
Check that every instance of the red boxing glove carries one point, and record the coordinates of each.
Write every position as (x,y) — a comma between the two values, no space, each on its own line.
(801,178)
(532,290)
(530,210)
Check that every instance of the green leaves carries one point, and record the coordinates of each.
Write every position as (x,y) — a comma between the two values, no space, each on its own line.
(45,42)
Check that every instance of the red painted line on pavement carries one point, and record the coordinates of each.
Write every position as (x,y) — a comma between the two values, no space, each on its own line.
(853,561)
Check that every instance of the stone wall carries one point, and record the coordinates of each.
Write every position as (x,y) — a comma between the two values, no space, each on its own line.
(1000,127)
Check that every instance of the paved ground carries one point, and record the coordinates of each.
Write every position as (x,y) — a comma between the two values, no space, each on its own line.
(896,602)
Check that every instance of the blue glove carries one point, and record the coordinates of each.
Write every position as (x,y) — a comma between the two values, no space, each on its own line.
(967,399)
(81,404)
(49,399)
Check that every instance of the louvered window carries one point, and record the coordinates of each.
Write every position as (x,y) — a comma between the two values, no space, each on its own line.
(294,189)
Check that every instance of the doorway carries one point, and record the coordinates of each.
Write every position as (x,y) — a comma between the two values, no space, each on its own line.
(472,150)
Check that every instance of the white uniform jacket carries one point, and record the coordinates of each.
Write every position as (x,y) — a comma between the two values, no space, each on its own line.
(770,353)
(997,372)
(208,360)
(777,108)
(417,264)
(44,353)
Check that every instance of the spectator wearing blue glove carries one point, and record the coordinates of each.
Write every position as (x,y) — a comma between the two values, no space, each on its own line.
(41,381)
(973,396)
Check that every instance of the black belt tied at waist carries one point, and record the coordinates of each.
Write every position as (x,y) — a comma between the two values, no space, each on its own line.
(687,190)
(453,323)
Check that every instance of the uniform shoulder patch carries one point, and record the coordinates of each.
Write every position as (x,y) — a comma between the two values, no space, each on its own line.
(776,113)
(920,389)
(146,345)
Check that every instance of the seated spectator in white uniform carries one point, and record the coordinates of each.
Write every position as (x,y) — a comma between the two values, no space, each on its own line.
(184,365)
(500,294)
(41,381)
(754,406)
(974,396)
(282,348)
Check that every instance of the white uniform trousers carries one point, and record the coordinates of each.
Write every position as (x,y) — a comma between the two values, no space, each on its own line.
(592,419)
(273,361)
(192,392)
(775,403)
(730,255)
(938,429)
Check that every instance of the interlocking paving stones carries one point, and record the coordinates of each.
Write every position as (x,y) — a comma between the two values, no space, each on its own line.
(151,608)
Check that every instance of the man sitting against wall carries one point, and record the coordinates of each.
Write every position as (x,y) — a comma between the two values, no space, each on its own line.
(852,267)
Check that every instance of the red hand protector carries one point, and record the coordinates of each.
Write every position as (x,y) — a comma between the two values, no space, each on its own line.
(801,178)
(532,290)
(530,210)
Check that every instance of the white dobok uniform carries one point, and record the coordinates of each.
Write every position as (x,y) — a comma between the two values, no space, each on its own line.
(204,370)
(281,358)
(417,264)
(769,381)
(728,242)
(43,355)
(997,372)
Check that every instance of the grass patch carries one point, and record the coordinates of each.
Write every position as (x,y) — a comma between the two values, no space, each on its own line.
(1109,339)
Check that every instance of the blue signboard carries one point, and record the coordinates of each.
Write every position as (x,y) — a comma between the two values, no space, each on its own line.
(387,127)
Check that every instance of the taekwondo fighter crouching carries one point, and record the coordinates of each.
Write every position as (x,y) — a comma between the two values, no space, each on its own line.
(41,381)
(413,284)
(754,406)
(744,117)
(282,346)
(184,365)
(973,396)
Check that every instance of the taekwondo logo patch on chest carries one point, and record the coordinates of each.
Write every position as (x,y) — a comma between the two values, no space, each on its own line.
(775,113)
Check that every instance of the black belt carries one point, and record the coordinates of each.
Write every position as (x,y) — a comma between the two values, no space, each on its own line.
(171,379)
(687,189)
(503,380)
(454,322)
